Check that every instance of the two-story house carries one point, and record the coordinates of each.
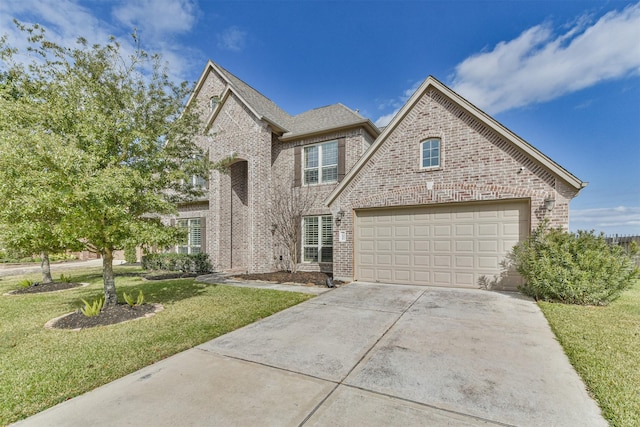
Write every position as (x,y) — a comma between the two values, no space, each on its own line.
(436,198)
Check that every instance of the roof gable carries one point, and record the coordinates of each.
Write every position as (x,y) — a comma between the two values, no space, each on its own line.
(476,113)
(316,121)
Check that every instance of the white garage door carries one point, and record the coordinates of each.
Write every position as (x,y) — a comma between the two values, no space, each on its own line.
(447,245)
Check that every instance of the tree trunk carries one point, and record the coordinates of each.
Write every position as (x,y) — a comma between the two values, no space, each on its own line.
(46,268)
(110,296)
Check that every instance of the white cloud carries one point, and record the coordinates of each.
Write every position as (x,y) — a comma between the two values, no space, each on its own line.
(396,104)
(621,220)
(539,65)
(62,19)
(158,17)
(233,38)
(66,20)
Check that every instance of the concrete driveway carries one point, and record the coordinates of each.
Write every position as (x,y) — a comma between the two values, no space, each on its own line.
(360,355)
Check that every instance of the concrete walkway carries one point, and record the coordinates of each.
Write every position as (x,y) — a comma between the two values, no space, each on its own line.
(7,270)
(360,355)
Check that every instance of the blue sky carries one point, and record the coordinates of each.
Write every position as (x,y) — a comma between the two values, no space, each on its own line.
(563,75)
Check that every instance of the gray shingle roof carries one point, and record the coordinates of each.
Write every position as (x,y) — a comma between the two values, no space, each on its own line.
(260,103)
(312,121)
(324,118)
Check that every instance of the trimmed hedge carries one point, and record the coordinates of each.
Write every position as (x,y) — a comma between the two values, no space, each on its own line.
(187,263)
(580,268)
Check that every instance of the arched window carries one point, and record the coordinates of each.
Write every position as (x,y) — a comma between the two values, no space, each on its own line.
(430,153)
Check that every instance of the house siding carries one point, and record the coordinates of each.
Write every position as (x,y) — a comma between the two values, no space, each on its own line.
(477,164)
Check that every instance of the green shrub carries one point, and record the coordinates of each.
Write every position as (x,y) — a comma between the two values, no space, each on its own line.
(65,279)
(92,309)
(25,283)
(187,263)
(130,254)
(133,303)
(578,268)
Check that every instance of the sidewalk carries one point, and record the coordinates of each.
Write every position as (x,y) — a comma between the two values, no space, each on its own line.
(7,270)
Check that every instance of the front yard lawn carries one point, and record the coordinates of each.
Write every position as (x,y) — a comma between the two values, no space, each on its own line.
(603,344)
(40,368)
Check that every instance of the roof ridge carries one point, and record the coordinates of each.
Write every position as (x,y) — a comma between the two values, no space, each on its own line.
(266,107)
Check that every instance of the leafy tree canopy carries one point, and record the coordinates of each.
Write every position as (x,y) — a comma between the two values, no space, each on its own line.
(98,138)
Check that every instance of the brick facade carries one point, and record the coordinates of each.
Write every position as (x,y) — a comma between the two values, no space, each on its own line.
(478,163)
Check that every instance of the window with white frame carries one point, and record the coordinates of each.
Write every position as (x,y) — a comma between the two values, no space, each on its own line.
(317,238)
(320,163)
(197,182)
(192,244)
(430,152)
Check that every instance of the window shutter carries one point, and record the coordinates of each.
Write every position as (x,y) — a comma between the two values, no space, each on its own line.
(299,248)
(297,166)
(173,224)
(341,158)
(203,234)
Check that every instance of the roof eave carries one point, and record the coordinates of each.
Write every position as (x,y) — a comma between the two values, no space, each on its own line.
(473,110)
(366,123)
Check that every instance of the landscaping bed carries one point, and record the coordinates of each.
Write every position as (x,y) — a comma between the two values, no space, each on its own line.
(108,316)
(45,287)
(302,277)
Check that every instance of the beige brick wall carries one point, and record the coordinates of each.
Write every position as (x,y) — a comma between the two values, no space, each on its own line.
(476,164)
(356,143)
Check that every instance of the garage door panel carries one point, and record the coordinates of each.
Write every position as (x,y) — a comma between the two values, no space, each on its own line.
(421,245)
(488,230)
(383,259)
(441,261)
(442,246)
(384,245)
(464,245)
(402,245)
(464,262)
(464,230)
(442,278)
(401,231)
(447,245)
(402,276)
(402,260)
(367,259)
(421,277)
(421,260)
(383,230)
(442,230)
(421,231)
(464,279)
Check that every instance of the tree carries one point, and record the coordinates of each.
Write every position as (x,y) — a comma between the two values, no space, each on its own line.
(124,122)
(33,188)
(285,214)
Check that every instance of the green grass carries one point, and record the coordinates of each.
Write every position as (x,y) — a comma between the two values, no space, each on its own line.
(40,368)
(603,344)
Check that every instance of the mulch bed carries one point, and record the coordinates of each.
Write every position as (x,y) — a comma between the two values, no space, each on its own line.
(302,277)
(108,316)
(45,287)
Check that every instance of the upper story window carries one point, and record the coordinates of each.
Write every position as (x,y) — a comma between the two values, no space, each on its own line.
(196,182)
(213,101)
(320,163)
(430,153)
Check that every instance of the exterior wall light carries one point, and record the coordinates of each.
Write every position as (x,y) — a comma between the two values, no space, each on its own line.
(339,215)
(549,203)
